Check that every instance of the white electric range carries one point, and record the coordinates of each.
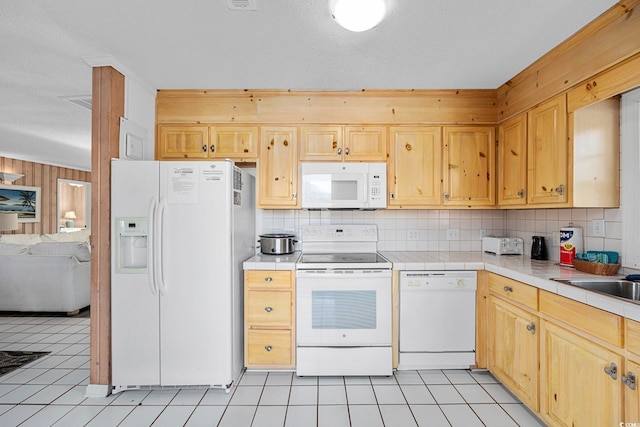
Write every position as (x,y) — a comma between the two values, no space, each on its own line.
(343,303)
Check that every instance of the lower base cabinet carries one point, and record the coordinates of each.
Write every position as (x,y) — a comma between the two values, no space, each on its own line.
(513,349)
(580,380)
(269,319)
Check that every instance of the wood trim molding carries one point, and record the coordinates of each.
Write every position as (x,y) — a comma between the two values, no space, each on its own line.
(108,106)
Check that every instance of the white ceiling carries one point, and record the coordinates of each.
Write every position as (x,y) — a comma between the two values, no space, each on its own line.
(285,44)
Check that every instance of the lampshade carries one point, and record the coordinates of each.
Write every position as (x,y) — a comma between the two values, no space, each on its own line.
(70,215)
(358,15)
(8,221)
(10,177)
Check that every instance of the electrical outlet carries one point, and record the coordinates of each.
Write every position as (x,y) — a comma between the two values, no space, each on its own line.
(556,238)
(412,234)
(483,233)
(597,228)
(453,234)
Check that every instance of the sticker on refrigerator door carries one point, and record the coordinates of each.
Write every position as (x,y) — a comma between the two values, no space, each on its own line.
(211,173)
(183,186)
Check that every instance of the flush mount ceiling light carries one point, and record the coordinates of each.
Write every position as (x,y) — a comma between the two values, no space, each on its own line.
(358,15)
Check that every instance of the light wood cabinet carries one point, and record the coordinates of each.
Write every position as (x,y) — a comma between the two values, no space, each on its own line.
(177,142)
(513,349)
(415,166)
(512,343)
(578,375)
(512,162)
(547,153)
(239,143)
(343,143)
(269,319)
(468,167)
(278,168)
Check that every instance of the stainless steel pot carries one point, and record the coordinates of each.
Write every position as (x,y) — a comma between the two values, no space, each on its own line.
(277,244)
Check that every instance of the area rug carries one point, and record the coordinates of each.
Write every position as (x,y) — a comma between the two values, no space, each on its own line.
(10,360)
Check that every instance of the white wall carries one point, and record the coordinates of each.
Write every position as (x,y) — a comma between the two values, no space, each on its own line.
(140,108)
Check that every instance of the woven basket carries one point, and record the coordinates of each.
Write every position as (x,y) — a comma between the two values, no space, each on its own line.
(596,267)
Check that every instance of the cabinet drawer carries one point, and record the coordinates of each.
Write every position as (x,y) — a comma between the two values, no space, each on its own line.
(269,347)
(593,321)
(632,331)
(271,308)
(514,291)
(267,278)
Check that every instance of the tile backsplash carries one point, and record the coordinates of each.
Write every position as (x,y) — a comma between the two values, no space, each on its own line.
(428,230)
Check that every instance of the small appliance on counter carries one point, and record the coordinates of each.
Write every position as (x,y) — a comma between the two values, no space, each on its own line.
(277,243)
(503,245)
(539,249)
(570,244)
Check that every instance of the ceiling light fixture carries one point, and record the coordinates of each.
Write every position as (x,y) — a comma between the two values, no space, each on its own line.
(358,15)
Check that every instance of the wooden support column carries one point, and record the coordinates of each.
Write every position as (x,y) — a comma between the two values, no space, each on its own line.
(107,108)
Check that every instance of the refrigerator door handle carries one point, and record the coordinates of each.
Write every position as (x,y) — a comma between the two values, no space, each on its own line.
(151,268)
(159,264)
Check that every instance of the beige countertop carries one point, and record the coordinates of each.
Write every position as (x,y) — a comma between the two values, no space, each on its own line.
(516,267)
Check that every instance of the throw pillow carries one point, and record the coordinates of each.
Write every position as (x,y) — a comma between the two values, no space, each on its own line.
(12,249)
(81,251)
(22,239)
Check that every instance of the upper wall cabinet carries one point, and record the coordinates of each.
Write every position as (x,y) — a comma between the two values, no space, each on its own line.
(512,162)
(468,156)
(548,153)
(176,142)
(179,142)
(234,142)
(278,168)
(571,160)
(343,143)
(415,166)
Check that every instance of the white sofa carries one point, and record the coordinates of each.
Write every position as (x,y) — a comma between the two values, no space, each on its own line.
(50,272)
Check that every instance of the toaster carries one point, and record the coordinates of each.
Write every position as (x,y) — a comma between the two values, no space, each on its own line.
(503,245)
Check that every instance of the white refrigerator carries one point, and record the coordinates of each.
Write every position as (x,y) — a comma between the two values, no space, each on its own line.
(180,232)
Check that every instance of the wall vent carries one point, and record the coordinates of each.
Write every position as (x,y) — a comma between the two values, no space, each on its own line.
(242,5)
(82,101)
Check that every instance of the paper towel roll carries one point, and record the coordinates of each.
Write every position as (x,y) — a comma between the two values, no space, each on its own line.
(570,244)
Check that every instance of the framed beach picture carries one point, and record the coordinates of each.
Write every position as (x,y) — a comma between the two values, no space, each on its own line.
(21,199)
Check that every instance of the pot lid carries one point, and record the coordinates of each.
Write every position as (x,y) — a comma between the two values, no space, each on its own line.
(277,236)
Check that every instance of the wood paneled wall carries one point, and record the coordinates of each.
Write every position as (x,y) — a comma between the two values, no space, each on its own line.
(451,107)
(605,42)
(45,177)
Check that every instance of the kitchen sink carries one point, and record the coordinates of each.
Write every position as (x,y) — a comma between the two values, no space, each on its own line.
(621,288)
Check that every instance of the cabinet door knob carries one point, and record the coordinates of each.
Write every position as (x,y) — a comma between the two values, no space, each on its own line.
(339,151)
(268,309)
(560,189)
(508,289)
(611,370)
(531,327)
(204,148)
(268,347)
(630,380)
(521,193)
(212,148)
(346,151)
(268,279)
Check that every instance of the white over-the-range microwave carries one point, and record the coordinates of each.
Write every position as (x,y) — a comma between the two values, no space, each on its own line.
(332,185)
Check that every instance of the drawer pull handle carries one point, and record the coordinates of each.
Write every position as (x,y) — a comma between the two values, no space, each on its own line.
(630,380)
(268,347)
(611,370)
(268,309)
(508,289)
(268,279)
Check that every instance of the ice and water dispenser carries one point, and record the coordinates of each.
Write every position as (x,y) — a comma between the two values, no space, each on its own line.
(132,236)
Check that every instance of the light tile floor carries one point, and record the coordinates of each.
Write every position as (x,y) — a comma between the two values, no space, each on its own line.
(50,392)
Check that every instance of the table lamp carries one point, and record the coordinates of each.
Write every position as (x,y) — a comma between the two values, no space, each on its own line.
(8,221)
(69,216)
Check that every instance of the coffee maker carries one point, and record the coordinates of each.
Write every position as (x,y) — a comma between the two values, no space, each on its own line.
(538,248)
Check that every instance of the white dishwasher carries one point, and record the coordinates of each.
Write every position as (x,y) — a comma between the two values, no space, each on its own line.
(437,319)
